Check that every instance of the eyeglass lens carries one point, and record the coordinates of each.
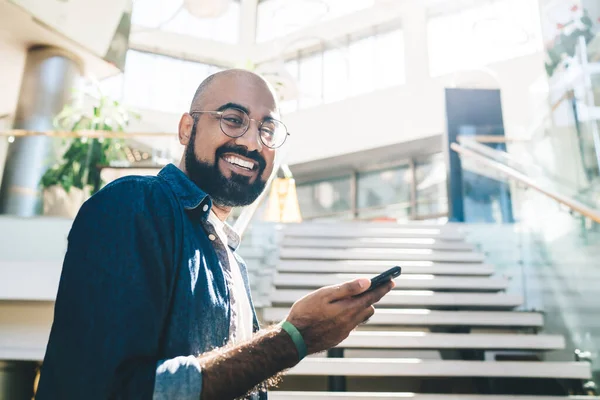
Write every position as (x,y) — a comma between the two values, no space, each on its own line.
(234,123)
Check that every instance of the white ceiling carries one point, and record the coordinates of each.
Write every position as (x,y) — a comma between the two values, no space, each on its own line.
(347,17)
(20,27)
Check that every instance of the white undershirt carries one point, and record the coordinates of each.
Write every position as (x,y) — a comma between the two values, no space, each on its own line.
(241,303)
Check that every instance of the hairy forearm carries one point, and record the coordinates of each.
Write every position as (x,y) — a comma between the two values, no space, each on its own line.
(231,373)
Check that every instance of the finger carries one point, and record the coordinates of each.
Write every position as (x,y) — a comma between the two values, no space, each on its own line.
(372,297)
(347,289)
(365,315)
(354,306)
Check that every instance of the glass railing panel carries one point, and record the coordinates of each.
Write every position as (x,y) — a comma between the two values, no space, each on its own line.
(526,168)
(430,187)
(551,256)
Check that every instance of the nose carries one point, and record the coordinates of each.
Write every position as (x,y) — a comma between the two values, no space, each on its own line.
(251,139)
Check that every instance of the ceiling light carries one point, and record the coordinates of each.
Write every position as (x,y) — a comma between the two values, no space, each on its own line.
(206,8)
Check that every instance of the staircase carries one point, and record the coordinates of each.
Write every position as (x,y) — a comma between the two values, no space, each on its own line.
(449,330)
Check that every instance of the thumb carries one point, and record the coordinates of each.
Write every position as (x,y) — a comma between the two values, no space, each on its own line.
(347,289)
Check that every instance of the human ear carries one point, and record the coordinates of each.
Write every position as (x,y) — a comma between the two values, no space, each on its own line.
(186,124)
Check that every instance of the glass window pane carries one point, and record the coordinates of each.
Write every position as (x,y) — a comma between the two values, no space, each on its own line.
(166,83)
(177,24)
(335,79)
(343,70)
(482,35)
(324,198)
(384,188)
(432,197)
(112,87)
(277,18)
(157,82)
(393,212)
(139,72)
(150,13)
(310,80)
(338,8)
(290,106)
(362,68)
(292,67)
(389,59)
(192,74)
(171,16)
(223,29)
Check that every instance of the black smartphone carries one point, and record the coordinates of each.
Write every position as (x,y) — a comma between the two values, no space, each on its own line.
(384,277)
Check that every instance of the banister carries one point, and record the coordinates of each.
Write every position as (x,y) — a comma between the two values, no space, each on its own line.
(573,204)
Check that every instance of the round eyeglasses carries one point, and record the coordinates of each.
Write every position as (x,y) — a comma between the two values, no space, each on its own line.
(235,123)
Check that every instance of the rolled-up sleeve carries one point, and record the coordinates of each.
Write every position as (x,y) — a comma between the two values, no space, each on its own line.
(178,378)
(113,300)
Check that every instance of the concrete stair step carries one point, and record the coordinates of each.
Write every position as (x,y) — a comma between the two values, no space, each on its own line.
(412,367)
(427,340)
(397,243)
(394,255)
(412,281)
(422,298)
(378,266)
(368,230)
(284,395)
(437,318)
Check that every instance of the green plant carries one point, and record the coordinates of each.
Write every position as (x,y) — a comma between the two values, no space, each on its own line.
(78,165)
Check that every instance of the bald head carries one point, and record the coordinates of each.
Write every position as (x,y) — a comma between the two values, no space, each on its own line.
(212,83)
(232,168)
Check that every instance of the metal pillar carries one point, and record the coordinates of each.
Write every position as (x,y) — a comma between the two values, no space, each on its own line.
(354,194)
(336,383)
(49,76)
(413,189)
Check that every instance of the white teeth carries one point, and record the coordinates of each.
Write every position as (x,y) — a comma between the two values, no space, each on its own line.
(239,162)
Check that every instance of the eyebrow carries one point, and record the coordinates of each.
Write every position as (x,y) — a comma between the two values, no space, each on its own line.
(242,108)
(234,105)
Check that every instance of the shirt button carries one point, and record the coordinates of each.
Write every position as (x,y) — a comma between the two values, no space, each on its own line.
(205,208)
(212,237)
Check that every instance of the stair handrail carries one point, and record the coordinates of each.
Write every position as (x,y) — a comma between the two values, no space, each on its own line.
(476,143)
(511,173)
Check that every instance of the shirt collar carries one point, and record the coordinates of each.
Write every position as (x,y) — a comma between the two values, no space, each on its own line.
(190,195)
(233,239)
(194,199)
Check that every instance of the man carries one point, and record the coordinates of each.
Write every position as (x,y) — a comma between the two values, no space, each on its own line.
(154,302)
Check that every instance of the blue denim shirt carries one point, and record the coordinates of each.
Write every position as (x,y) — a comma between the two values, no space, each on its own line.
(142,292)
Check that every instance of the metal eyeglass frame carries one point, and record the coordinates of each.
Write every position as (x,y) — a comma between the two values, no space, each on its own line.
(260,123)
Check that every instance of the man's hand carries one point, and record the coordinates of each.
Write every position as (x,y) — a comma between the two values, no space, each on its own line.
(326,316)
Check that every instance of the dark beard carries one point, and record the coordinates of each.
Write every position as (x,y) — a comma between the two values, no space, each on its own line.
(236,191)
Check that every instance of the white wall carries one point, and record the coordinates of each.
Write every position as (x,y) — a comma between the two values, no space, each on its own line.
(409,112)
(398,114)
(12,62)
(403,113)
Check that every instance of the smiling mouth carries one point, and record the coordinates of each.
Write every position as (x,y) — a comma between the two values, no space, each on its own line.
(241,163)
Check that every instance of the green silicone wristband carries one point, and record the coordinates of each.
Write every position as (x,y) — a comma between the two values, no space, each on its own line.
(296,338)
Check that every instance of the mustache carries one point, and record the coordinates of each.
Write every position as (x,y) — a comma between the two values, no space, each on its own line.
(242,151)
